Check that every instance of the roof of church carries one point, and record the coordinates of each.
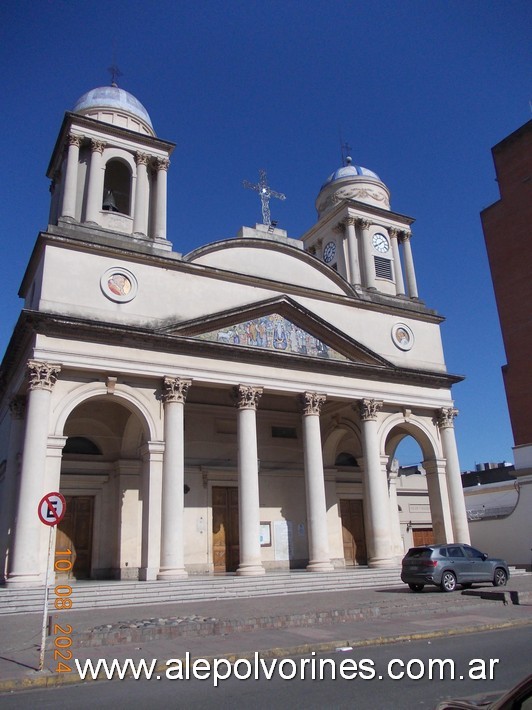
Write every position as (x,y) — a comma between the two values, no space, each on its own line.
(112,97)
(348,171)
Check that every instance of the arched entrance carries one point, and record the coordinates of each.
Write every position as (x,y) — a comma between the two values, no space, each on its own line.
(101,479)
(417,486)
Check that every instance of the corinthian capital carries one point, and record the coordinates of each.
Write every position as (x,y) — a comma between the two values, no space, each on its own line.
(73,139)
(445,417)
(350,221)
(43,375)
(246,396)
(162,163)
(405,236)
(175,389)
(368,409)
(142,158)
(393,232)
(97,146)
(363,223)
(311,403)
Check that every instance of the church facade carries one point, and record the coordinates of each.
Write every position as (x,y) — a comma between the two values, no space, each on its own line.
(233,409)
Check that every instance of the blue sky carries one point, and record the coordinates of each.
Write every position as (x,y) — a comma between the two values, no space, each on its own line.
(421,90)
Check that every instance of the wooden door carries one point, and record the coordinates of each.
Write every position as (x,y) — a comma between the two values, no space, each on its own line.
(75,533)
(423,536)
(353,534)
(225,543)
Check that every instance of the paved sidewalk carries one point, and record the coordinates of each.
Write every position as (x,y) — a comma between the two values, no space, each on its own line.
(237,628)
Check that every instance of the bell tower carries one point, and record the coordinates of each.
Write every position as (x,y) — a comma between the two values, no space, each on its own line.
(109,170)
(359,236)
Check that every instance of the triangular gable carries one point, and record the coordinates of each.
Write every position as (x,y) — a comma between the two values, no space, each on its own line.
(273,332)
(280,325)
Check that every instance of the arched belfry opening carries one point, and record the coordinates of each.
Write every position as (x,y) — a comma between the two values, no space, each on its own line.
(117,187)
(101,479)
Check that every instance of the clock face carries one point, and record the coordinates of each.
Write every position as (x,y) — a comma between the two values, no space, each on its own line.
(329,252)
(380,243)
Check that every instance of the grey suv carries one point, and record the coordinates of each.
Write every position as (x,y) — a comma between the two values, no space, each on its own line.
(448,565)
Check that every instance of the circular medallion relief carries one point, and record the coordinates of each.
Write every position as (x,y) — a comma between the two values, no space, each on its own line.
(119,284)
(402,336)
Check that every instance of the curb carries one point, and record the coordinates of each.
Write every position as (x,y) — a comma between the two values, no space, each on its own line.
(46,680)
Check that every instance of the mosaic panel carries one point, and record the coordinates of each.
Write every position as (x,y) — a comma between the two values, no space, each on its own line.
(273,332)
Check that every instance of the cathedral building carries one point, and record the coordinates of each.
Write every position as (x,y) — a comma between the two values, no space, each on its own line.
(233,409)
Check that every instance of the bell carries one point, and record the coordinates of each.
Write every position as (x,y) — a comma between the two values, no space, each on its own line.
(109,202)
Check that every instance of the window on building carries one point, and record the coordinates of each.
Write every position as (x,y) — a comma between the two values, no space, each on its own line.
(81,445)
(345,459)
(383,268)
(117,187)
(284,432)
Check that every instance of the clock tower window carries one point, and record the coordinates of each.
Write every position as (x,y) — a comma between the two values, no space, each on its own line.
(383,268)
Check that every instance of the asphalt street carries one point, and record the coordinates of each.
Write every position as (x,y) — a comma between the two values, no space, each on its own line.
(381,682)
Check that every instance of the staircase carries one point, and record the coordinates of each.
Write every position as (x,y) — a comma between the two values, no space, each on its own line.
(105,594)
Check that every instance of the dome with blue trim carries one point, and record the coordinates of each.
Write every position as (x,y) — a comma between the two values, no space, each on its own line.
(348,171)
(352,183)
(111,104)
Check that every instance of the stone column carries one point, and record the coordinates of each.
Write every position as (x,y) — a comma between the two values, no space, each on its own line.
(17,407)
(151,486)
(399,282)
(318,534)
(352,246)
(376,501)
(173,494)
(409,265)
(71,177)
(445,420)
(162,165)
(140,216)
(395,523)
(95,185)
(367,254)
(25,565)
(440,513)
(247,399)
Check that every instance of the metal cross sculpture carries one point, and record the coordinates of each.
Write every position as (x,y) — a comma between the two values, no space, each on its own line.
(265,193)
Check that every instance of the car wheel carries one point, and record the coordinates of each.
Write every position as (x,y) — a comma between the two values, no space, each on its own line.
(500,578)
(448,582)
(416,587)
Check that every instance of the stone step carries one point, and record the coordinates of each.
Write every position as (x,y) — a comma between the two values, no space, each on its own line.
(103,594)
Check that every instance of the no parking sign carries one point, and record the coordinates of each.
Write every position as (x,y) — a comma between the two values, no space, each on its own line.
(52,508)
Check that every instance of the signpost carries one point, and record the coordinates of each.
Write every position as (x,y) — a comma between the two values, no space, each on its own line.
(51,510)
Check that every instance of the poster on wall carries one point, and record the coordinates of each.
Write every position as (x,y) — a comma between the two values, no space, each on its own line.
(283,539)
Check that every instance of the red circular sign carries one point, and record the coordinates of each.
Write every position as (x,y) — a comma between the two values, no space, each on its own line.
(52,508)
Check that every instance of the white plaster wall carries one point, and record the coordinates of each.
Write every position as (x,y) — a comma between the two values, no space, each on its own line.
(510,537)
(167,296)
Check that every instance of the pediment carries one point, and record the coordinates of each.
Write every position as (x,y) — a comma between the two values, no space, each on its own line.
(279,325)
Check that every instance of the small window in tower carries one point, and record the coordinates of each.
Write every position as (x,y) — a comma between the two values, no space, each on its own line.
(117,187)
(383,268)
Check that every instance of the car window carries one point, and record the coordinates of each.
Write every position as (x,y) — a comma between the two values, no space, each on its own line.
(473,553)
(443,551)
(419,552)
(455,552)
